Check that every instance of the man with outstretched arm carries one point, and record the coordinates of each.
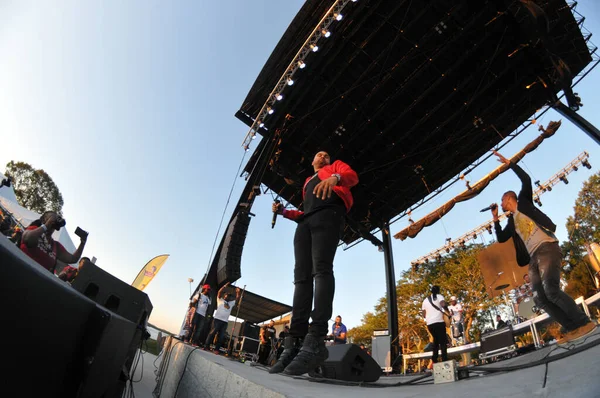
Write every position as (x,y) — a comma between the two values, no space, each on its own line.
(327,199)
(533,236)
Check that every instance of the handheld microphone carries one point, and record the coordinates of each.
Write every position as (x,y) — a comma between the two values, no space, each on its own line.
(274,220)
(490,207)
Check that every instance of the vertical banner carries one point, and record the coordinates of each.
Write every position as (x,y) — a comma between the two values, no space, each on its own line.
(149,271)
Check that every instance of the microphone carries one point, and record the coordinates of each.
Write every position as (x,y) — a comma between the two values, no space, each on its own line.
(274,220)
(490,207)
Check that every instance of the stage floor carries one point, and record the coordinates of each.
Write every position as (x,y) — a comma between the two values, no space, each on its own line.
(574,372)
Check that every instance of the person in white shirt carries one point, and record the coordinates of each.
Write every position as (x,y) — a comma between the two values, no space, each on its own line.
(202,301)
(458,326)
(224,306)
(432,312)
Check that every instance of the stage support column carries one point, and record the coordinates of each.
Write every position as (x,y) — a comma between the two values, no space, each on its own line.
(392,301)
(578,120)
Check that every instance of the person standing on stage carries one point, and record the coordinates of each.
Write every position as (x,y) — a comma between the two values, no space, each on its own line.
(432,312)
(327,199)
(456,310)
(221,317)
(266,336)
(338,331)
(202,300)
(535,243)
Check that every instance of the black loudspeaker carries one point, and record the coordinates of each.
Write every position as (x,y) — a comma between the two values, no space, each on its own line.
(497,341)
(229,266)
(348,362)
(44,324)
(250,330)
(113,294)
(106,349)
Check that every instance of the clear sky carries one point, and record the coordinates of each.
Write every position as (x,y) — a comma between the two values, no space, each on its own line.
(129,106)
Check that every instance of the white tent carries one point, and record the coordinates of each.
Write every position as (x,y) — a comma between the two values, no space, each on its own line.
(8,200)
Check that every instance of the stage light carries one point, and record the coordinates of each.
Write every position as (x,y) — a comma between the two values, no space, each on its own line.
(314,48)
(246,148)
(575,168)
(563,178)
(474,236)
(301,64)
(538,201)
(586,164)
(270,110)
(290,82)
(354,1)
(411,221)
(338,17)
(426,261)
(326,33)
(279,97)
(489,228)
(254,136)
(447,250)
(261,125)
(549,188)
(537,183)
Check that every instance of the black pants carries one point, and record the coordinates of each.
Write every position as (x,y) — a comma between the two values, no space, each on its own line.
(315,243)
(438,332)
(198,323)
(544,273)
(219,328)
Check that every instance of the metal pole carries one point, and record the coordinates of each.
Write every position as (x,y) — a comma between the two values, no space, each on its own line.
(392,301)
(578,120)
(236,318)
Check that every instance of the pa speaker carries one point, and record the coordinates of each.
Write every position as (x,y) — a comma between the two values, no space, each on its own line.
(348,362)
(45,323)
(497,341)
(113,294)
(107,349)
(229,266)
(251,330)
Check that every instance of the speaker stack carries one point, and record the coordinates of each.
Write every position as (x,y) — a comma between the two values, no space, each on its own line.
(348,362)
(229,266)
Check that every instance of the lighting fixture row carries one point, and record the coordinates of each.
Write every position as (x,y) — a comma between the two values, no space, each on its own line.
(333,14)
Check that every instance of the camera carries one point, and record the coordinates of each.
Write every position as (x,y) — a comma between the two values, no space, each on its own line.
(59,223)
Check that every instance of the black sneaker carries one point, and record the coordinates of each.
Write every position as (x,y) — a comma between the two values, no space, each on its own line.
(312,355)
(291,346)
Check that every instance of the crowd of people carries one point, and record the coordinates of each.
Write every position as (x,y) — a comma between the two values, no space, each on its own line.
(37,242)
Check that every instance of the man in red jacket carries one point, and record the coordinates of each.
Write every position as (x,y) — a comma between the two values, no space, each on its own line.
(327,199)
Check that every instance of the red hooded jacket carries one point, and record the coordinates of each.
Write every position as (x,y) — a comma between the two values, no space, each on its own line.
(342,189)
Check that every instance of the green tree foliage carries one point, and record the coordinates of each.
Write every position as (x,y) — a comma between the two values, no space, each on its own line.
(457,274)
(583,228)
(34,188)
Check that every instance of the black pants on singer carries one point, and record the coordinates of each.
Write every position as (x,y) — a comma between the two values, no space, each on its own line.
(440,340)
(544,273)
(315,243)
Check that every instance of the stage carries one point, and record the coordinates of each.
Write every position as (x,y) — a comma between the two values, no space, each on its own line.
(552,371)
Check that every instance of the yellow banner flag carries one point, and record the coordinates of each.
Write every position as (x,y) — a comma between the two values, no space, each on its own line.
(149,271)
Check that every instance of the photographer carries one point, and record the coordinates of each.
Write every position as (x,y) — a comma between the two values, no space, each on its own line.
(38,244)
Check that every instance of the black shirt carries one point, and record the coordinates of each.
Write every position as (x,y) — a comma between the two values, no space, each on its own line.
(312,203)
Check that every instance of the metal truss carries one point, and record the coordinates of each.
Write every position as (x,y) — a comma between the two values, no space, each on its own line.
(333,14)
(561,176)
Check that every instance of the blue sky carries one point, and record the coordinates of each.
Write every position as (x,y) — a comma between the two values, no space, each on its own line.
(129,107)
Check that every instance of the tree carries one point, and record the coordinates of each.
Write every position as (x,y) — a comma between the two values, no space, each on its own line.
(583,228)
(34,188)
(457,274)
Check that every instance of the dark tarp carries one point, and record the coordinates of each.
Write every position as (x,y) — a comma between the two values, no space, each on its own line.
(256,309)
(413,230)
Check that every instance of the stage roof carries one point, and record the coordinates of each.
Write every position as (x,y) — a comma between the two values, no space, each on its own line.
(257,309)
(410,93)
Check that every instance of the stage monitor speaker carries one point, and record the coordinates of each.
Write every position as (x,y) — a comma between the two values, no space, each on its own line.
(109,346)
(250,330)
(44,325)
(229,265)
(113,294)
(249,345)
(348,362)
